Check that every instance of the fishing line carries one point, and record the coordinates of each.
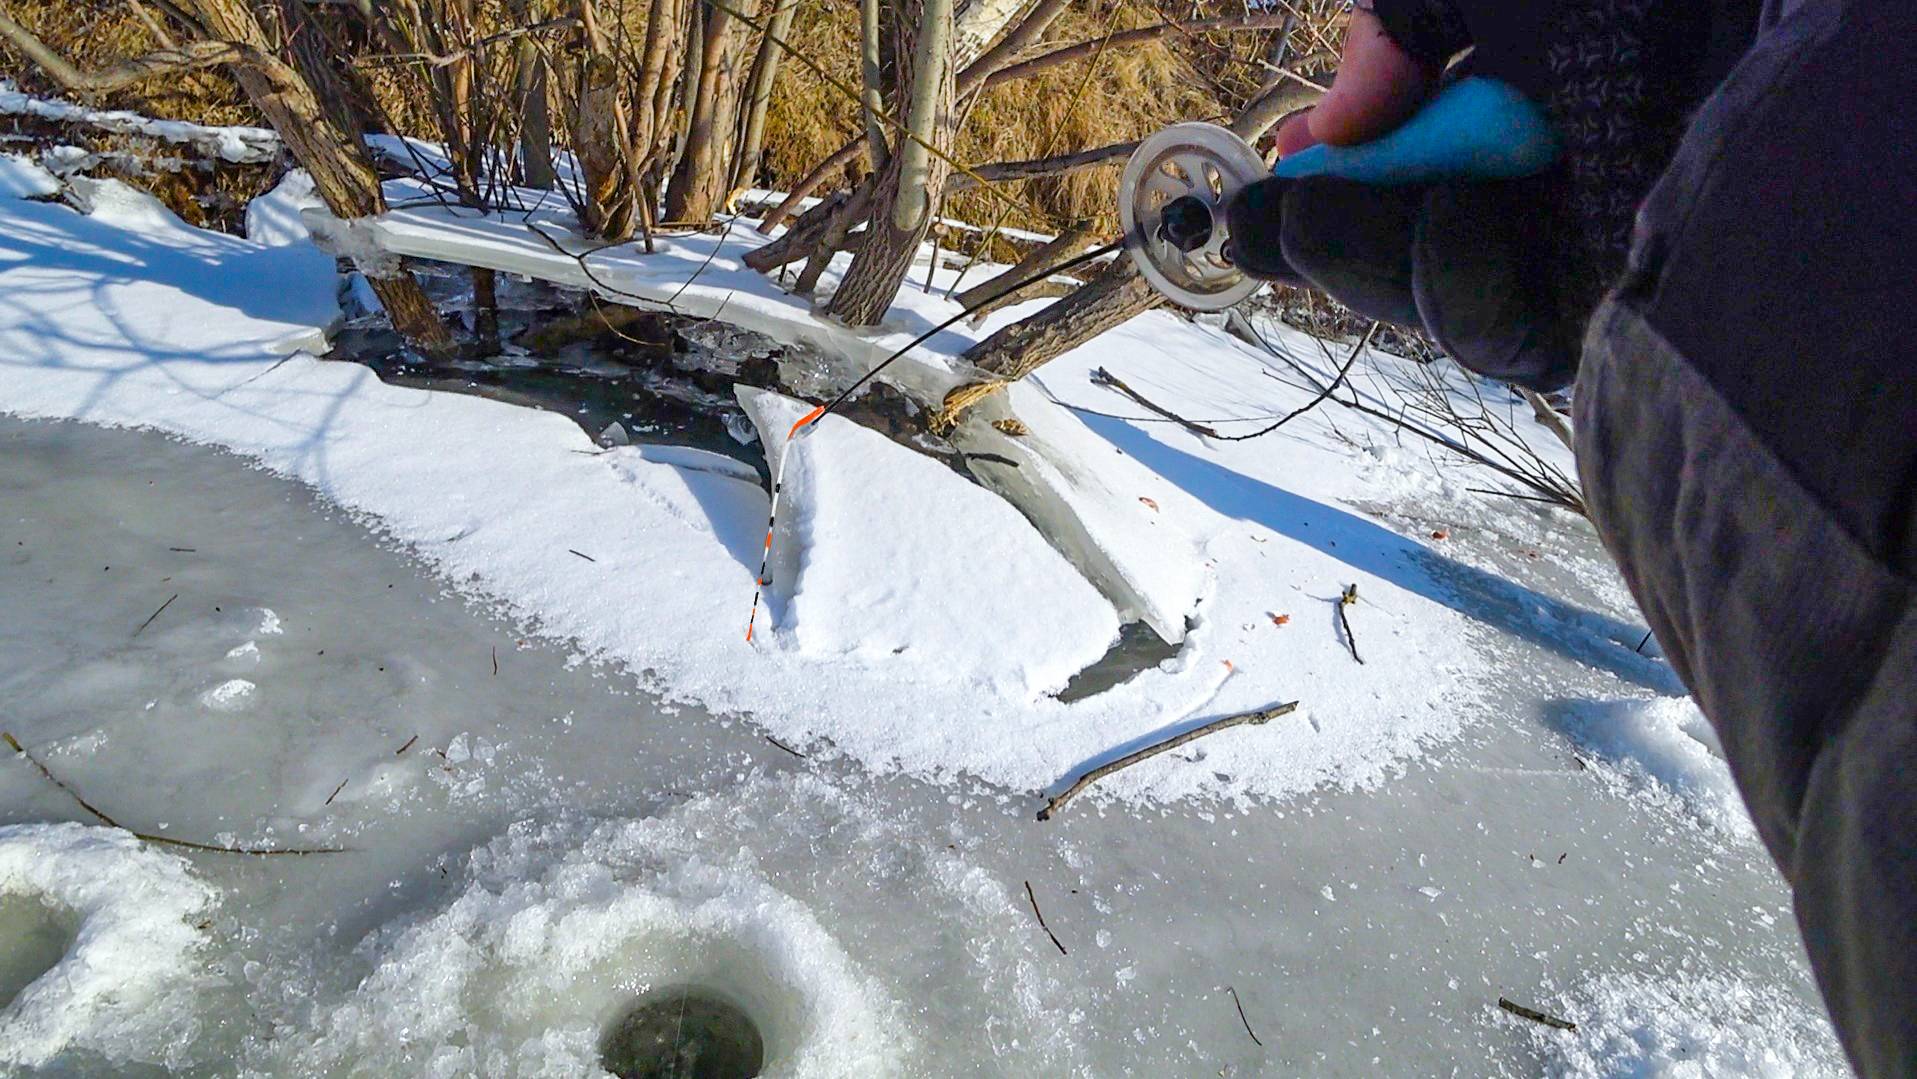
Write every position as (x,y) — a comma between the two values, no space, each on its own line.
(778,473)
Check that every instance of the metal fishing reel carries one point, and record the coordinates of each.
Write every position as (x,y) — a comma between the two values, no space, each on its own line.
(1171,202)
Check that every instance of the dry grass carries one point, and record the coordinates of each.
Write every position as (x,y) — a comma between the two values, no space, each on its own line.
(1120,96)
(94,34)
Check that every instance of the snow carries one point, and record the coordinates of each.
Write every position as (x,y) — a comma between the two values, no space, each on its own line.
(1663,750)
(537,839)
(238,145)
(273,219)
(1688,1027)
(126,913)
(21,178)
(561,924)
(196,344)
(1007,609)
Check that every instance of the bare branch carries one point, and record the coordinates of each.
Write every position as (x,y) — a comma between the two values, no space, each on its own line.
(1044,166)
(1027,68)
(169,61)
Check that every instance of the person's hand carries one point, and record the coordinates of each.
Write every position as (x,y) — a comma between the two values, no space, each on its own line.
(1501,274)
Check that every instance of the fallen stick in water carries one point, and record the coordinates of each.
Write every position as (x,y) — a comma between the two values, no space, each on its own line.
(1254,718)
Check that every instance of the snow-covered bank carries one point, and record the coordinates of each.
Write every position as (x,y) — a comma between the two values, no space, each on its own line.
(127,317)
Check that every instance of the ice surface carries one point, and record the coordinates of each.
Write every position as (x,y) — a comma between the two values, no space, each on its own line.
(430,711)
(1689,1027)
(459,789)
(1664,750)
(955,581)
(123,986)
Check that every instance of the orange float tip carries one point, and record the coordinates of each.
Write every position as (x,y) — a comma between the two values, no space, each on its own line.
(803,420)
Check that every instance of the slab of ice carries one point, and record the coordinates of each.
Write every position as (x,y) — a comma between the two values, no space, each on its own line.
(883,552)
(1080,495)
(123,986)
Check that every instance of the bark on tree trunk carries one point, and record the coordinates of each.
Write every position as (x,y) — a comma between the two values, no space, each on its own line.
(535,130)
(1116,295)
(698,186)
(982,299)
(599,137)
(342,176)
(765,74)
(905,193)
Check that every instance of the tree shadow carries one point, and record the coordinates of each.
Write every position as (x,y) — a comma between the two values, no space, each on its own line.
(1564,629)
(53,259)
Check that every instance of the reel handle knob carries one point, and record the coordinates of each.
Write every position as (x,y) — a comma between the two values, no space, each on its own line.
(1186,223)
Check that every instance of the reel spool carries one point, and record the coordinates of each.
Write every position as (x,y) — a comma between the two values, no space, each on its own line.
(1171,202)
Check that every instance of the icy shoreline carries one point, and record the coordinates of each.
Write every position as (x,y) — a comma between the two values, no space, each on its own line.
(503,669)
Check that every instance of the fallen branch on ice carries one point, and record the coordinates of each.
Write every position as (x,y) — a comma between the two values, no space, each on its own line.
(168,841)
(1349,599)
(1253,718)
(1535,1016)
(1041,918)
(1241,1014)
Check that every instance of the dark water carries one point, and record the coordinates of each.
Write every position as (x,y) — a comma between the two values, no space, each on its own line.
(684,1033)
(662,378)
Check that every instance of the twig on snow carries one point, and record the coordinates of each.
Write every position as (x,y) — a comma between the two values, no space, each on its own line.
(1102,377)
(1261,715)
(581,554)
(401,751)
(1041,918)
(335,794)
(1349,599)
(1241,1014)
(1535,1016)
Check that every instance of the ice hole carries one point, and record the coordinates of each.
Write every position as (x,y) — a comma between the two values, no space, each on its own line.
(34,935)
(684,1032)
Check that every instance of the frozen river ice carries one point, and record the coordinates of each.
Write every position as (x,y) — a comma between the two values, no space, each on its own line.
(534,844)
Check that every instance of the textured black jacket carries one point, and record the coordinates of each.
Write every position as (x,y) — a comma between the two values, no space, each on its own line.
(1747,425)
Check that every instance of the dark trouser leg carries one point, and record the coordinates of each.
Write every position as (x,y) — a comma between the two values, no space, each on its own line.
(1800,646)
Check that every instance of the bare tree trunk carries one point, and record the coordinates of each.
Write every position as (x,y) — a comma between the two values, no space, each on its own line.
(975,23)
(906,192)
(971,72)
(530,84)
(981,299)
(698,185)
(872,80)
(599,142)
(765,74)
(1115,296)
(342,176)
(1022,37)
